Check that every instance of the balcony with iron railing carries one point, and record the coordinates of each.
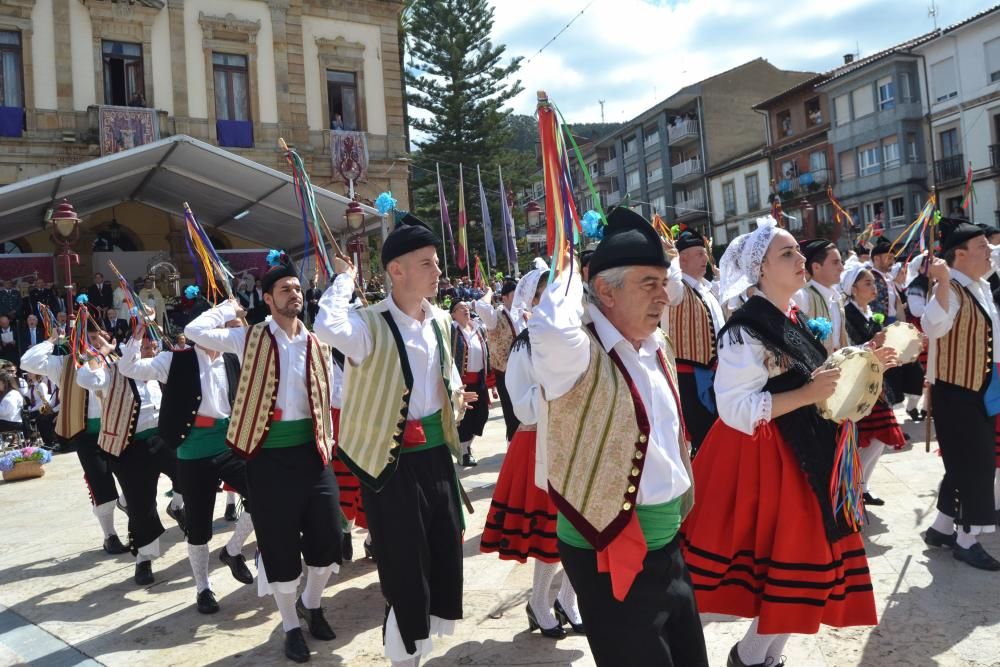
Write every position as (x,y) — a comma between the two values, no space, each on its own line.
(683,132)
(687,171)
(692,206)
(610,167)
(949,169)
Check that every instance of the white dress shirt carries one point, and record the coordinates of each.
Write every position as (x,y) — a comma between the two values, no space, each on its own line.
(293,395)
(560,354)
(98,380)
(7,335)
(833,303)
(916,301)
(937,322)
(675,284)
(475,353)
(343,328)
(10,406)
(40,361)
(490,316)
(39,396)
(212,374)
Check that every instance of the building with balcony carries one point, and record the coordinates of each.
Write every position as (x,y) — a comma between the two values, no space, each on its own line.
(82,79)
(661,159)
(739,195)
(879,157)
(963,106)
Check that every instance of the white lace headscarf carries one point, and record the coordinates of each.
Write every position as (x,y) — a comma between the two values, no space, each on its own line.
(739,267)
(524,294)
(849,276)
(913,267)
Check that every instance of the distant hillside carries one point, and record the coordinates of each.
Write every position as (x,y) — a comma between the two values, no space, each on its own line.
(525,132)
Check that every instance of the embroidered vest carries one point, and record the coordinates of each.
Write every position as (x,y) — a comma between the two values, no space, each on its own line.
(119,413)
(460,348)
(881,302)
(596,437)
(965,353)
(257,392)
(377,396)
(182,394)
(500,339)
(71,419)
(820,307)
(691,330)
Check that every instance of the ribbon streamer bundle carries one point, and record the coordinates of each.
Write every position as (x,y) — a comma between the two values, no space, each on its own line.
(847,480)
(210,269)
(80,349)
(563,222)
(48,318)
(137,309)
(918,228)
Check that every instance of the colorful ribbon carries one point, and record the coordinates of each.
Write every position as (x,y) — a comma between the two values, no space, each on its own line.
(211,271)
(847,480)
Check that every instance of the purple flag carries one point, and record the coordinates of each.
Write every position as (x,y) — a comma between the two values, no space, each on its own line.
(445,220)
(507,220)
(491,251)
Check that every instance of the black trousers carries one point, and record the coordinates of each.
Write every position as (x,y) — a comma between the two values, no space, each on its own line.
(416,528)
(97,469)
(297,510)
(46,425)
(966,435)
(510,420)
(697,417)
(656,625)
(198,480)
(138,469)
(474,420)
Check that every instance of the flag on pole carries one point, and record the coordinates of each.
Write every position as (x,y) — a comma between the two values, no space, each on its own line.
(445,219)
(970,192)
(507,220)
(491,251)
(461,260)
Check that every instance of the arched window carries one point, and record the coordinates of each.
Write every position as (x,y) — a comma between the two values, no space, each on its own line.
(10,248)
(114,239)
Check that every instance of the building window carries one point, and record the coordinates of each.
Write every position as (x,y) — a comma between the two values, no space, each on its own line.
(943,80)
(629,146)
(753,191)
(954,206)
(789,170)
(659,204)
(824,213)
(123,76)
(993,60)
(949,143)
(847,166)
(817,162)
(814,113)
(897,209)
(654,172)
(10,248)
(886,94)
(632,180)
(729,197)
(868,161)
(11,76)
(863,101)
(785,123)
(855,214)
(651,137)
(912,152)
(232,99)
(342,96)
(890,152)
(842,109)
(905,88)
(874,211)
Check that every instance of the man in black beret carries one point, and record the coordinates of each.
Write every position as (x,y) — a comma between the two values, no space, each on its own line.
(820,298)
(692,324)
(962,324)
(887,298)
(610,385)
(402,396)
(281,423)
(502,327)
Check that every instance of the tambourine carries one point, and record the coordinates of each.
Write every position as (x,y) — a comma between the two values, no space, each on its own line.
(905,339)
(859,386)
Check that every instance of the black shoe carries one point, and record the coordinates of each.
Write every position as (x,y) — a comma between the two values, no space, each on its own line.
(237,566)
(178,516)
(977,557)
(144,573)
(872,500)
(934,538)
(563,618)
(230,514)
(735,661)
(318,627)
(347,548)
(113,546)
(469,461)
(555,632)
(916,416)
(923,414)
(206,602)
(369,554)
(296,648)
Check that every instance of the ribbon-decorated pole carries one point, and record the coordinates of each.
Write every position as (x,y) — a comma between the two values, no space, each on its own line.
(561,219)
(210,270)
(49,321)
(924,219)
(80,349)
(840,215)
(137,309)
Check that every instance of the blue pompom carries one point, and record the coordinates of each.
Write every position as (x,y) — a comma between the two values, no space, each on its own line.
(82,299)
(592,225)
(820,327)
(274,257)
(385,203)
(134,311)
(191,292)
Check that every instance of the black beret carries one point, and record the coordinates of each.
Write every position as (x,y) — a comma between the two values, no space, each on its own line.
(812,247)
(989,230)
(585,258)
(689,238)
(508,287)
(881,246)
(284,268)
(629,240)
(956,231)
(410,234)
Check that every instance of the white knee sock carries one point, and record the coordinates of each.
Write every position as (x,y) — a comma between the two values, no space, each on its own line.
(567,598)
(123,503)
(230,497)
(541,601)
(869,457)
(286,607)
(105,513)
(410,662)
(316,578)
(943,524)
(965,540)
(911,402)
(244,526)
(776,647)
(996,490)
(466,447)
(752,649)
(148,552)
(198,557)
(176,501)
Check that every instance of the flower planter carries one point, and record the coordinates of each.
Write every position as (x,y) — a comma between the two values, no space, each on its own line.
(24,470)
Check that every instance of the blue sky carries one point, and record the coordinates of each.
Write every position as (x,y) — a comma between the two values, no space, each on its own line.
(634,53)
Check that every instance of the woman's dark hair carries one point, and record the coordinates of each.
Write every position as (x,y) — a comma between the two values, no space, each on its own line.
(543,280)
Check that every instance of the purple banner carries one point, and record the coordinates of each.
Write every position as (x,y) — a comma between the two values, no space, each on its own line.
(349,154)
(123,128)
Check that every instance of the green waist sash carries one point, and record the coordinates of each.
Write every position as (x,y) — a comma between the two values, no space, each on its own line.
(433,431)
(205,442)
(145,435)
(659,523)
(93,426)
(289,434)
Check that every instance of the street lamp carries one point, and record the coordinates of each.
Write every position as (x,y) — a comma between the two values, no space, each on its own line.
(808,221)
(534,213)
(355,218)
(64,233)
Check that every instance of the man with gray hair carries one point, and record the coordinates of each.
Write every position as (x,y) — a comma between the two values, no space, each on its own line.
(612,423)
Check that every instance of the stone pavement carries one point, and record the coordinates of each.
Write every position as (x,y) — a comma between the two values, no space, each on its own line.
(64,602)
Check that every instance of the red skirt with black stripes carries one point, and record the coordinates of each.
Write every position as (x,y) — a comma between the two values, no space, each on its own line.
(881,424)
(521,523)
(347,482)
(755,545)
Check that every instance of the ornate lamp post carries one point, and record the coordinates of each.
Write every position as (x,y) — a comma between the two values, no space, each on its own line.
(355,218)
(64,233)
(808,218)
(533,212)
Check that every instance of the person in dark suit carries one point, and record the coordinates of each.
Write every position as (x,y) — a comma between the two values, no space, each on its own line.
(258,309)
(99,294)
(40,292)
(10,300)
(312,301)
(30,334)
(118,327)
(8,341)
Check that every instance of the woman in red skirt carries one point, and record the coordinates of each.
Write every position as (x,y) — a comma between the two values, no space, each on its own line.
(521,523)
(879,428)
(763,540)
